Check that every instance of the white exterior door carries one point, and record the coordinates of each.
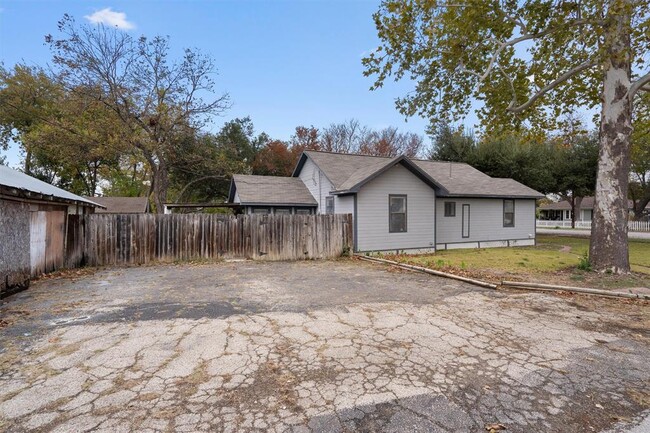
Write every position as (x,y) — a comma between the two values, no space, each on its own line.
(466,223)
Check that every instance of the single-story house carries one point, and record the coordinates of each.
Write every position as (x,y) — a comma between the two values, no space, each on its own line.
(33,219)
(121,205)
(399,203)
(561,210)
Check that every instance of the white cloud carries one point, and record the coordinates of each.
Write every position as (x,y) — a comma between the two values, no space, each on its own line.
(111,18)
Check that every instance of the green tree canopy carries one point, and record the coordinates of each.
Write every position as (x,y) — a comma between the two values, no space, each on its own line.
(156,97)
(68,138)
(528,62)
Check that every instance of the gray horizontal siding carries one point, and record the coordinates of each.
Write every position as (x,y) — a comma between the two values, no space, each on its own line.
(486,221)
(317,184)
(344,204)
(372,208)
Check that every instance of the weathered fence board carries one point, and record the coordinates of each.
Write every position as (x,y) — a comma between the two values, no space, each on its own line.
(47,233)
(98,240)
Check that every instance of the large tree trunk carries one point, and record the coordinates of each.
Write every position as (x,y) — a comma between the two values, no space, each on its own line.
(609,247)
(160,181)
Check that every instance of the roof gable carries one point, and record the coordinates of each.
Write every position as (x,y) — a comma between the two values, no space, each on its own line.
(348,172)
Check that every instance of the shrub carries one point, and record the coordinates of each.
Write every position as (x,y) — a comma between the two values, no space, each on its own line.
(584,264)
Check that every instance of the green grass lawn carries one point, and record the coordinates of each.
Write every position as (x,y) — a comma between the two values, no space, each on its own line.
(639,250)
(556,255)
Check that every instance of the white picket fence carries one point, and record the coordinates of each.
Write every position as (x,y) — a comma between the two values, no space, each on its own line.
(633,226)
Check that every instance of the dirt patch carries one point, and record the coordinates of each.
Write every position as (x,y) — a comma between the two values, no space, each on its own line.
(642,397)
(271,382)
(11,316)
(189,385)
(68,273)
(274,383)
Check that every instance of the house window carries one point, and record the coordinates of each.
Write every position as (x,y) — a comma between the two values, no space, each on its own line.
(397,213)
(329,205)
(450,208)
(508,213)
(282,211)
(261,210)
(303,211)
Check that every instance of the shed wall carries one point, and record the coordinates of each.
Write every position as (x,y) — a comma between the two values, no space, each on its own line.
(14,246)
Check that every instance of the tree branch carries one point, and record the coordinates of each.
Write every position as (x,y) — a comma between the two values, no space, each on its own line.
(642,83)
(550,86)
(180,194)
(514,41)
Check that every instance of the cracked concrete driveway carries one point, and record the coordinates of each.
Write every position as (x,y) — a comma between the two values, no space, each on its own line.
(332,346)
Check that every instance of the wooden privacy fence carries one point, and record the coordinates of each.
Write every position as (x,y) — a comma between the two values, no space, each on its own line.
(98,240)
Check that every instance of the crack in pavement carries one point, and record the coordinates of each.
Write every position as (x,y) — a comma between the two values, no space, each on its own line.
(530,361)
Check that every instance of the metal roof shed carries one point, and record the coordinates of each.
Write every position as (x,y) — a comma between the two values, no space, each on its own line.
(33,223)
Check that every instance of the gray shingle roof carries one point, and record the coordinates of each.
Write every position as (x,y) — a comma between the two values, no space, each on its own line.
(121,204)
(271,190)
(461,179)
(20,181)
(345,171)
(587,203)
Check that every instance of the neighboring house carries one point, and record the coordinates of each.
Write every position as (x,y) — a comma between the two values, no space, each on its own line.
(401,203)
(33,218)
(561,210)
(122,205)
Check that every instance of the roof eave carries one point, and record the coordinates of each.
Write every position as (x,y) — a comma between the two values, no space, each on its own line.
(301,162)
(452,195)
(244,203)
(37,196)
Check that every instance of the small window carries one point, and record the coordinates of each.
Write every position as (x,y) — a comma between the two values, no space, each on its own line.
(282,211)
(329,205)
(261,210)
(397,213)
(450,208)
(508,213)
(303,211)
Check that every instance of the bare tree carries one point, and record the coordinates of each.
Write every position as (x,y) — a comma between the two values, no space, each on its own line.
(390,142)
(343,137)
(158,99)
